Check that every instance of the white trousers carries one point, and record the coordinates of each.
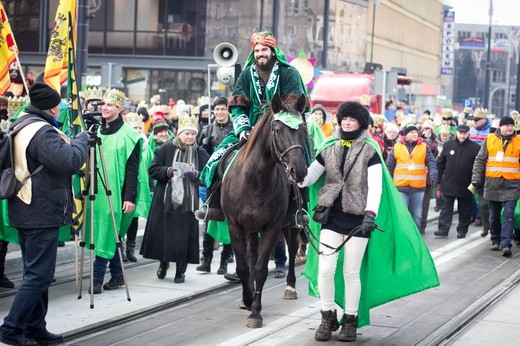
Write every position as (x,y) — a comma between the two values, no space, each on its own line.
(354,251)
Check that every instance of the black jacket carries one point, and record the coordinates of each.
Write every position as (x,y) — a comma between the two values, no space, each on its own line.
(455,166)
(51,204)
(215,132)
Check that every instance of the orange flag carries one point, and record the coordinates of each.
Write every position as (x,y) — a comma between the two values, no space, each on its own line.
(8,51)
(56,65)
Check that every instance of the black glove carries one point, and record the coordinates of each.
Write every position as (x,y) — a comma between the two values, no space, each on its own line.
(191,175)
(169,172)
(368,224)
(244,136)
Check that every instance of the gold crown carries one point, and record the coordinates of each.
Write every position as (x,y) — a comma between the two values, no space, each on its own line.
(115,96)
(364,100)
(134,120)
(15,103)
(447,113)
(379,119)
(93,94)
(445,129)
(467,110)
(480,113)
(188,122)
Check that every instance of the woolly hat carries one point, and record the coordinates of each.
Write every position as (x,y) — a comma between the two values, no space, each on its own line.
(319,107)
(409,128)
(354,110)
(159,124)
(391,127)
(43,96)
(507,120)
(202,108)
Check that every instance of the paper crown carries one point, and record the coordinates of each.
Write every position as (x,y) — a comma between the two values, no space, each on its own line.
(364,100)
(15,103)
(379,119)
(516,117)
(93,94)
(444,129)
(115,96)
(467,110)
(188,122)
(480,113)
(447,113)
(134,120)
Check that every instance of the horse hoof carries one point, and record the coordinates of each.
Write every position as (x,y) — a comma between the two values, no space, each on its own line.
(243,306)
(254,322)
(290,293)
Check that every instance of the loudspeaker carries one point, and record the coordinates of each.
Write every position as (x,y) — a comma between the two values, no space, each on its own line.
(225,54)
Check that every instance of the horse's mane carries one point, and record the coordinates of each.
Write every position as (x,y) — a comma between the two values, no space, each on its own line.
(288,105)
(265,119)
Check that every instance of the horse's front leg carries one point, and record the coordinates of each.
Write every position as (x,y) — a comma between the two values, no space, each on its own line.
(291,238)
(239,244)
(264,247)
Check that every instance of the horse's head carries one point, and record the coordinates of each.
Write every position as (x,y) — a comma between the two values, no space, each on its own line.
(288,136)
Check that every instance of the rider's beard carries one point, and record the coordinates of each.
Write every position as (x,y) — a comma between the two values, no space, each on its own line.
(265,66)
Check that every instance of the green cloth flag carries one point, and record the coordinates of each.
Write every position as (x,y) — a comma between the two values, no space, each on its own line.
(397,262)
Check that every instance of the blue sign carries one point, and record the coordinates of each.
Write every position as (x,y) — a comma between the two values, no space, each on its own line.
(468,103)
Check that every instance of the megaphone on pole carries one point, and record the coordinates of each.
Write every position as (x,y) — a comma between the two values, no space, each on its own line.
(225,54)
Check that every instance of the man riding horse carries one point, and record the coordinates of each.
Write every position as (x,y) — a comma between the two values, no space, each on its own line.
(265,73)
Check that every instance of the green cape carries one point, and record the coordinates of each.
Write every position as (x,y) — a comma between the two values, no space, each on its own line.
(397,262)
(125,141)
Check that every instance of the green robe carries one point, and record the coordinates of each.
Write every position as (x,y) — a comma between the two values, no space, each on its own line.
(397,262)
(121,145)
(287,81)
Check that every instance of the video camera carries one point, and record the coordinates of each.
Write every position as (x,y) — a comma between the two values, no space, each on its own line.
(93,117)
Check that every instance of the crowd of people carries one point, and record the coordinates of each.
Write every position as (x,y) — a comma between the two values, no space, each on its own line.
(160,161)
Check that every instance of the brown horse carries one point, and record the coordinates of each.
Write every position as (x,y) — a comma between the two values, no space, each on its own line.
(256,194)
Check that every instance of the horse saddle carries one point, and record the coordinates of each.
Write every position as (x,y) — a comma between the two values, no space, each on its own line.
(228,158)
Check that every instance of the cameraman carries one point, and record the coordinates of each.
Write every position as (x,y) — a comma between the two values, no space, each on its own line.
(42,205)
(121,150)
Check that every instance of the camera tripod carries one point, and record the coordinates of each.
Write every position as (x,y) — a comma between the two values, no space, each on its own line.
(91,191)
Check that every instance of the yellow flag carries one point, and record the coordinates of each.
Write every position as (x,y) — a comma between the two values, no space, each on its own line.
(8,50)
(56,65)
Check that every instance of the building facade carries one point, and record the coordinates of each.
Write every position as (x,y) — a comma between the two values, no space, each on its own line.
(471,65)
(165,46)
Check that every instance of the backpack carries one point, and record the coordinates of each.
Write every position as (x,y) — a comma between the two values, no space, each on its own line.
(9,184)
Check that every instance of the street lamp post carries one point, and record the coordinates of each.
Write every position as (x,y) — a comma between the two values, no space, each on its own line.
(374,3)
(488,61)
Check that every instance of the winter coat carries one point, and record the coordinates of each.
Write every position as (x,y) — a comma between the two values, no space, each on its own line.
(215,132)
(455,166)
(171,235)
(51,203)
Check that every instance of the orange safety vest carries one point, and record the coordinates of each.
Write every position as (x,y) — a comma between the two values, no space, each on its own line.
(509,166)
(410,169)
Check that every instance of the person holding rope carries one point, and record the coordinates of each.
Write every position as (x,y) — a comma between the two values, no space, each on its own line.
(352,191)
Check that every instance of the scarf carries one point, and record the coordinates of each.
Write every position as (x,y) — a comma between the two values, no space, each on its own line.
(187,154)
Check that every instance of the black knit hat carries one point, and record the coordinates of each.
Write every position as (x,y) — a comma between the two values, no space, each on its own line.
(409,128)
(43,96)
(507,120)
(354,110)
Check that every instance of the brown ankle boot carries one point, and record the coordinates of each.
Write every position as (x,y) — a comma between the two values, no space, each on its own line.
(348,328)
(329,323)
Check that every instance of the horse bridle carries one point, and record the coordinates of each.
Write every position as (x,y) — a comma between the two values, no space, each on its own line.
(280,155)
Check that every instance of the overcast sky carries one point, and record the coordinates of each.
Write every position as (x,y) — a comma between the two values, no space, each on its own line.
(505,12)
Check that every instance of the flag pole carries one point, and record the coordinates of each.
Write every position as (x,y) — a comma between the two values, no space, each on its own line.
(20,69)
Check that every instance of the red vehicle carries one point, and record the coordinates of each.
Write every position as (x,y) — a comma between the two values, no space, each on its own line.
(331,89)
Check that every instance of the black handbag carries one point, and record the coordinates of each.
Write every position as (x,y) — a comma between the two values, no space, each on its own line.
(321,214)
